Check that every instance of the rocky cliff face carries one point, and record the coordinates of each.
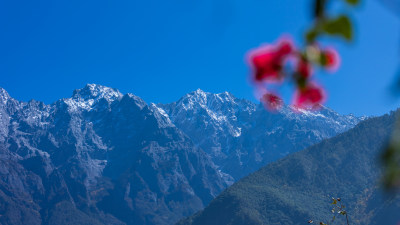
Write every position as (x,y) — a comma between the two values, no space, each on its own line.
(101,157)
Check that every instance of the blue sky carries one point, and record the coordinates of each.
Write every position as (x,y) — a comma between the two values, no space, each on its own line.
(160,50)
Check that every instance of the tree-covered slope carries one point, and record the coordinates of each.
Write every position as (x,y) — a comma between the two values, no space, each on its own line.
(299,187)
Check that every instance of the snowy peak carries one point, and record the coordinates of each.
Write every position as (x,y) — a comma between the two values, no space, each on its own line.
(95,91)
(199,92)
(190,99)
(4,96)
(324,113)
(9,104)
(91,94)
(290,111)
(210,101)
(212,120)
(214,108)
(202,96)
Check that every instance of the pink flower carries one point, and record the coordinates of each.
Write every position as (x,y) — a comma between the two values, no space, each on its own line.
(271,101)
(310,96)
(304,68)
(267,62)
(332,59)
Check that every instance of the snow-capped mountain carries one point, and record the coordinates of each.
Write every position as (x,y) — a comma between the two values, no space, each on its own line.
(103,157)
(242,136)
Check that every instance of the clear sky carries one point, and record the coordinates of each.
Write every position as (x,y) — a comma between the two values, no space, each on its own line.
(162,49)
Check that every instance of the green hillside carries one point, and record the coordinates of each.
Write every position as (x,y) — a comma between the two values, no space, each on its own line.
(300,186)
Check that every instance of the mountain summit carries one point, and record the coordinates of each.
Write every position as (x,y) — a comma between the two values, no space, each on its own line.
(95,91)
(4,96)
(91,94)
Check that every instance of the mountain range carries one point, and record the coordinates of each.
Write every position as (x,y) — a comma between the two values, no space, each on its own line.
(103,157)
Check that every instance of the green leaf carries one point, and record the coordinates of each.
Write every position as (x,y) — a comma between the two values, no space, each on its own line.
(353,2)
(300,81)
(340,26)
(323,60)
(311,35)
